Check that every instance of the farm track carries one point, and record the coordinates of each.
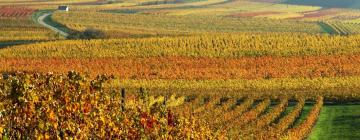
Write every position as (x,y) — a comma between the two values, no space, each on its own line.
(41,20)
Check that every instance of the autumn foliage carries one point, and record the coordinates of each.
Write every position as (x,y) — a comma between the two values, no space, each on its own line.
(195,68)
(49,106)
(15,11)
(304,129)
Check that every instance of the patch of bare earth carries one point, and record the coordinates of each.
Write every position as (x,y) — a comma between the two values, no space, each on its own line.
(320,13)
(254,14)
(15,11)
(268,1)
(347,16)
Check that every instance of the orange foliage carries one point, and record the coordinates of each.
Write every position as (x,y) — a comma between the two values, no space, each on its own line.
(304,129)
(195,68)
(15,11)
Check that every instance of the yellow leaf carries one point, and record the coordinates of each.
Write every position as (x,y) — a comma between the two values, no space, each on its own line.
(40,137)
(47,136)
(55,125)
(52,116)
(41,125)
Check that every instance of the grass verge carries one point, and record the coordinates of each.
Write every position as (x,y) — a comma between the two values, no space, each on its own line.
(338,122)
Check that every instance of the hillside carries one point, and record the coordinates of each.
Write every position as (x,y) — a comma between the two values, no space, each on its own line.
(179,69)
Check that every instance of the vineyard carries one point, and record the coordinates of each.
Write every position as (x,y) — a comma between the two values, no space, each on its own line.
(130,25)
(179,69)
(15,12)
(344,28)
(234,45)
(195,68)
(44,106)
(62,106)
(17,25)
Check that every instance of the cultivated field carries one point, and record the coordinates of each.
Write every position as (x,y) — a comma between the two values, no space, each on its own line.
(16,25)
(179,69)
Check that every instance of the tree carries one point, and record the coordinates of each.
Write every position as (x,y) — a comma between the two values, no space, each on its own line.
(87,34)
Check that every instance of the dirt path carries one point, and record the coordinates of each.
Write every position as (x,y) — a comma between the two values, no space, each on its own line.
(41,20)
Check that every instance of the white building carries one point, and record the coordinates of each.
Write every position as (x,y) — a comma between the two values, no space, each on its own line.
(63,8)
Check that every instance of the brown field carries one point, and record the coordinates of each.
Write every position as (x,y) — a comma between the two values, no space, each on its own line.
(346,17)
(254,14)
(320,13)
(269,1)
(15,11)
(195,68)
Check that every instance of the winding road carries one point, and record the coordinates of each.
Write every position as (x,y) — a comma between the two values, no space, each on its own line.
(41,20)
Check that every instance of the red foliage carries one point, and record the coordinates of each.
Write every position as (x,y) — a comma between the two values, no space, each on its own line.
(171,119)
(15,12)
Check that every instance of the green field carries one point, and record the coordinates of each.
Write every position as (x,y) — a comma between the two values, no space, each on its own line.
(338,122)
(328,3)
(180,69)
